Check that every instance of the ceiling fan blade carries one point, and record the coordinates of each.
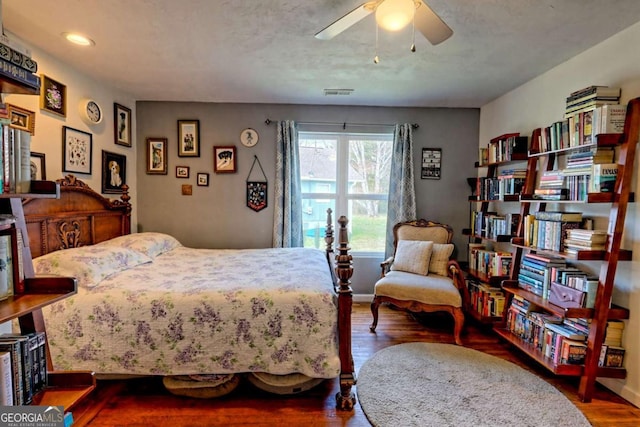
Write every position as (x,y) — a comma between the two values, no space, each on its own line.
(430,25)
(345,22)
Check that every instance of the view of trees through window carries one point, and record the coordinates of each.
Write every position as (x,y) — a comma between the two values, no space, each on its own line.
(349,173)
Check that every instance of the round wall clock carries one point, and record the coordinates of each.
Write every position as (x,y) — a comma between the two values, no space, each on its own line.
(91,111)
(249,137)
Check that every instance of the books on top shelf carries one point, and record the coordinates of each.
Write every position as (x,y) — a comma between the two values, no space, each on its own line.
(585,98)
(15,159)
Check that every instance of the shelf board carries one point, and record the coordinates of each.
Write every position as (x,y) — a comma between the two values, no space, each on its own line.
(492,280)
(511,286)
(623,254)
(602,140)
(563,369)
(66,389)
(39,190)
(11,86)
(39,292)
(483,319)
(591,198)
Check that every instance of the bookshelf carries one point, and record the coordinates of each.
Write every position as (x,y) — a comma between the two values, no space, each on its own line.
(502,153)
(65,389)
(603,310)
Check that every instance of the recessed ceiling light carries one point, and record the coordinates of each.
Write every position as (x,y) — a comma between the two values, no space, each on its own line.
(78,39)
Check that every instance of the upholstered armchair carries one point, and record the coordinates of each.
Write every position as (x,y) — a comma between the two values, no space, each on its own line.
(420,276)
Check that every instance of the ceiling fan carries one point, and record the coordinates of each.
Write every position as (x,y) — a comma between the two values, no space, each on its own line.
(425,20)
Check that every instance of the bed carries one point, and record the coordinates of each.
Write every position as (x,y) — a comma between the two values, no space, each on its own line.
(147,305)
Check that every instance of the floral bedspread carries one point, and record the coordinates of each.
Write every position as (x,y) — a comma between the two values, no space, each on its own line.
(203,311)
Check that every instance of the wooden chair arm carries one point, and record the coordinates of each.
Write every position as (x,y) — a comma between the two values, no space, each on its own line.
(455,272)
(385,265)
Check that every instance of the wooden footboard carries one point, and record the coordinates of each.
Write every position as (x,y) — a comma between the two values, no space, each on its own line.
(345,399)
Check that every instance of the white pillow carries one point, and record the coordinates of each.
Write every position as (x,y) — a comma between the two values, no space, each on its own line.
(412,256)
(149,243)
(440,255)
(89,264)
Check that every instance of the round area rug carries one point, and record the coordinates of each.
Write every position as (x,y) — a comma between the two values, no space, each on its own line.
(429,384)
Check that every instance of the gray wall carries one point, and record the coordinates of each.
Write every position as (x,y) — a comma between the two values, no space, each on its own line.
(217,217)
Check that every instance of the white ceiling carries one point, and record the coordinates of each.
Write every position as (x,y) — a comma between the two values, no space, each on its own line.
(265,51)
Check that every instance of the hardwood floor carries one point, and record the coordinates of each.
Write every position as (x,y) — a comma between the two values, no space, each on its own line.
(144,402)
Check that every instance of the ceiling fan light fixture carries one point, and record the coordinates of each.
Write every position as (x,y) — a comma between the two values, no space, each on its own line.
(394,15)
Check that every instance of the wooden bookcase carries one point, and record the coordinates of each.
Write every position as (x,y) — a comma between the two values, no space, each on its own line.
(481,204)
(63,388)
(603,309)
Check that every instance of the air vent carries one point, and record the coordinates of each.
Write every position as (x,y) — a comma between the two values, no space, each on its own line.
(337,92)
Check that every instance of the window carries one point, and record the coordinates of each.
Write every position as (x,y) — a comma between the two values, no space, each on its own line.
(349,173)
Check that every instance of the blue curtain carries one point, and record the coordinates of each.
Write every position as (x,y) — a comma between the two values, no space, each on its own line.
(402,193)
(287,218)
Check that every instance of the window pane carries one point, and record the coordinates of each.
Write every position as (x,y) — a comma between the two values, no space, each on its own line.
(369,164)
(318,164)
(367,233)
(314,221)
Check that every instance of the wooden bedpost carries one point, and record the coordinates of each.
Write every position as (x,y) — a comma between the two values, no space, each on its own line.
(345,399)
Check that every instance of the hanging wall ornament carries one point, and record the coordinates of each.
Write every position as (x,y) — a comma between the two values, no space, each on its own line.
(256,190)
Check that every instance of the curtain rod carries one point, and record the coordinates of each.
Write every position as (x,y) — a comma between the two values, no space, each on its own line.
(344,124)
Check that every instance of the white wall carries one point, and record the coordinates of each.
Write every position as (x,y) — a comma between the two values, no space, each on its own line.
(48,127)
(539,103)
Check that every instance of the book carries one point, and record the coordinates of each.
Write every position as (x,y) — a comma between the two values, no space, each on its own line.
(6,379)
(14,347)
(573,352)
(603,177)
(6,267)
(611,119)
(598,90)
(12,71)
(558,216)
(18,58)
(611,356)
(26,360)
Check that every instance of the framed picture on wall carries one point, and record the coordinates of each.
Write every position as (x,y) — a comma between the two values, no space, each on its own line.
(122,124)
(114,172)
(21,118)
(38,166)
(77,148)
(182,171)
(53,96)
(431,163)
(224,159)
(189,138)
(156,156)
(203,179)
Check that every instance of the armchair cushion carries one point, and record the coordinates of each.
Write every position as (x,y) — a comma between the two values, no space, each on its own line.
(412,256)
(431,289)
(440,255)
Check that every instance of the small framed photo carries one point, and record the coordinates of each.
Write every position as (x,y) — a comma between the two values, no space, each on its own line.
(224,159)
(203,179)
(38,166)
(182,171)
(122,124)
(21,118)
(188,138)
(77,148)
(53,96)
(431,163)
(114,172)
(156,156)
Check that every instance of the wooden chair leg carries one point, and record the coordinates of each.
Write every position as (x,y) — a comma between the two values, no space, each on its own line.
(458,318)
(374,310)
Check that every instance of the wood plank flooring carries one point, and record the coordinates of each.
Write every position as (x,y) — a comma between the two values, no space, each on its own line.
(145,402)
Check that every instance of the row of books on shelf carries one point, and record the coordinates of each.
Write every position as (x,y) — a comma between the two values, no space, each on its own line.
(491,224)
(562,341)
(553,279)
(15,159)
(508,182)
(575,184)
(503,149)
(23,367)
(485,299)
(16,63)
(485,263)
(11,263)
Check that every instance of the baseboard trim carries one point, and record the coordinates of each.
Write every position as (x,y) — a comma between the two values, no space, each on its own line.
(622,390)
(362,297)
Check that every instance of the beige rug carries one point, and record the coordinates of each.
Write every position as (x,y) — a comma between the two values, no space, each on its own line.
(428,384)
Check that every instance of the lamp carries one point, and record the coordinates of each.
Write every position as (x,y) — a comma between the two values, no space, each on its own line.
(394,15)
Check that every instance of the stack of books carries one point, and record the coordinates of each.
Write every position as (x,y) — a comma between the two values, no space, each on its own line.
(589,98)
(612,352)
(16,63)
(551,186)
(585,240)
(535,273)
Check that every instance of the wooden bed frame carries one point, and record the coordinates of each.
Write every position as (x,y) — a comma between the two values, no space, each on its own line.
(82,217)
